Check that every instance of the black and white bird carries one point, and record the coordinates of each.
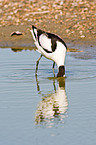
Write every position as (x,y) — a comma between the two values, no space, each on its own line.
(50,46)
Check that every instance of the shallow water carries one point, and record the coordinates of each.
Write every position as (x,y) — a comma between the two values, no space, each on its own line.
(43,110)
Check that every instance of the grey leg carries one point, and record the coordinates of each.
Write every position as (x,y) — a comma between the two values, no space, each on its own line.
(37,82)
(37,64)
(53,68)
(54,85)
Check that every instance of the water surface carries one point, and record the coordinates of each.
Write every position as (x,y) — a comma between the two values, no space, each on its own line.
(39,110)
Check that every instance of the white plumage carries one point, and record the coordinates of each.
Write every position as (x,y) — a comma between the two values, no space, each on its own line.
(52,47)
(45,42)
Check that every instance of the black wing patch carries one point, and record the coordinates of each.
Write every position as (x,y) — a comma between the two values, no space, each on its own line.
(54,44)
(54,38)
(47,50)
(38,34)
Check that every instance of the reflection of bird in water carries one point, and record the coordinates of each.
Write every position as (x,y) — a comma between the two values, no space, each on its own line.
(52,47)
(52,105)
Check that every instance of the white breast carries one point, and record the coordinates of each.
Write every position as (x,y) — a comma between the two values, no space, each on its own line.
(59,54)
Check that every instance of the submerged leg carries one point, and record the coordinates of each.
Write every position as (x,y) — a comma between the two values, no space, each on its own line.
(37,64)
(53,68)
(54,85)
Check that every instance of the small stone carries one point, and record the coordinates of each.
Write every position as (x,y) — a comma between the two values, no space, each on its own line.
(56,16)
(61,3)
(60,12)
(82,36)
(90,28)
(72,32)
(67,30)
(5,6)
(80,32)
(1,11)
(94,32)
(9,17)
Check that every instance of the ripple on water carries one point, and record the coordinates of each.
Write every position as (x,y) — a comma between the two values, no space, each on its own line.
(25,101)
(79,69)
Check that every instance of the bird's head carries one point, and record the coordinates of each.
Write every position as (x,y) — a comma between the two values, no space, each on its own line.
(61,71)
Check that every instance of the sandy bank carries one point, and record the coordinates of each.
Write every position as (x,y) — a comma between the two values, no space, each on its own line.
(73,21)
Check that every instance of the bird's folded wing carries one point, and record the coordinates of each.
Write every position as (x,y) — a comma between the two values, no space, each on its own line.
(45,42)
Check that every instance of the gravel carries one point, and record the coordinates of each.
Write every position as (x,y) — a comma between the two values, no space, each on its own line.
(72,19)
